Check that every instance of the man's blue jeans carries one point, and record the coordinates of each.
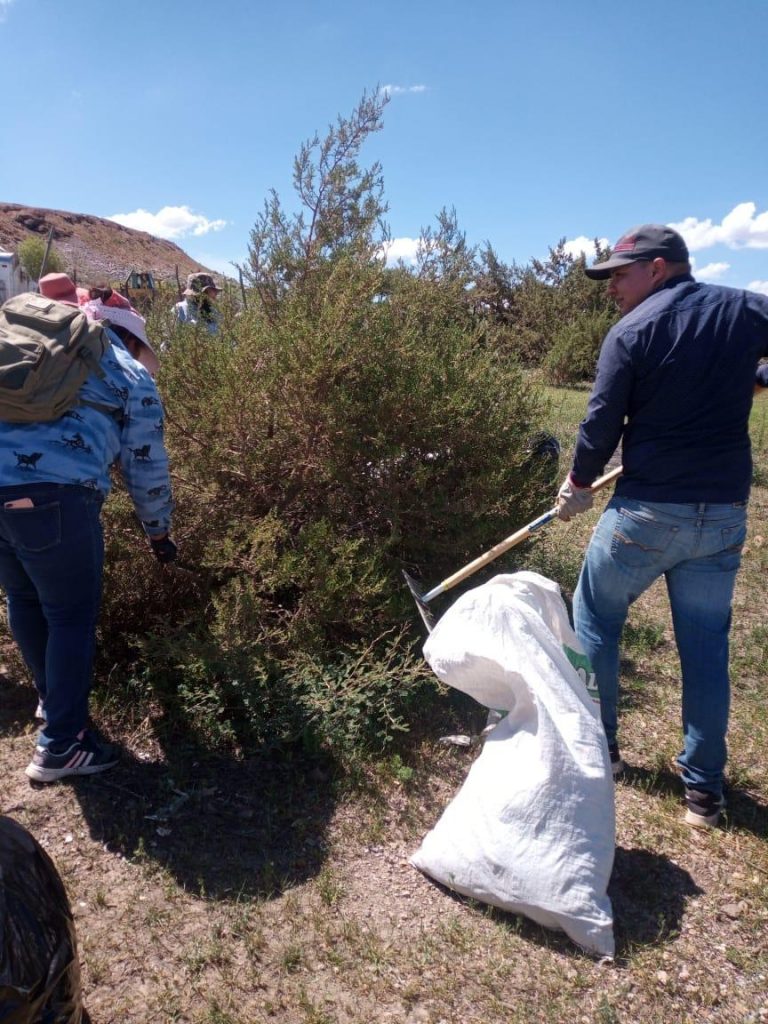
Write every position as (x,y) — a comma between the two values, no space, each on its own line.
(51,562)
(697,548)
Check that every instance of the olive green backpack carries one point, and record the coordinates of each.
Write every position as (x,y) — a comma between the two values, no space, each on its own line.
(47,349)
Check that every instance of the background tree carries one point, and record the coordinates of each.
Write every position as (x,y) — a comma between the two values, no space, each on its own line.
(443,254)
(341,212)
(31,252)
(543,306)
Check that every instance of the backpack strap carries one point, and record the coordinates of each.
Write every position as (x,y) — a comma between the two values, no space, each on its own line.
(107,410)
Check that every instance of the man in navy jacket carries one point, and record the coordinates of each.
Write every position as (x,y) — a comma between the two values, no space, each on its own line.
(674,384)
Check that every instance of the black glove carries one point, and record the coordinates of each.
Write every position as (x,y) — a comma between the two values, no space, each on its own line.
(163,549)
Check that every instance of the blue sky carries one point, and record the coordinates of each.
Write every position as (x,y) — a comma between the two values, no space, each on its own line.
(537,121)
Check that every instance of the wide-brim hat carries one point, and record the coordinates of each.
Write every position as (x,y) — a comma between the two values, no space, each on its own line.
(59,287)
(103,293)
(197,283)
(130,321)
(645,242)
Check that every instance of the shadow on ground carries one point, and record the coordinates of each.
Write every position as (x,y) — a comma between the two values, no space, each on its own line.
(220,826)
(742,810)
(649,894)
(17,705)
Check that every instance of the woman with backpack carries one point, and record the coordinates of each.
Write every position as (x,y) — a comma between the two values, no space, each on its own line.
(54,477)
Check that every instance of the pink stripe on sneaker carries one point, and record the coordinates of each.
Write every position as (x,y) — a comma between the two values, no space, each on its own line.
(78,759)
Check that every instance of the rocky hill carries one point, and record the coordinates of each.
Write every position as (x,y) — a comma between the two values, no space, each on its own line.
(93,248)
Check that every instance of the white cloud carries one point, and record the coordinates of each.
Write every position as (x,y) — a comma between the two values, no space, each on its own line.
(742,228)
(711,272)
(4,5)
(404,249)
(170,222)
(758,286)
(399,90)
(575,247)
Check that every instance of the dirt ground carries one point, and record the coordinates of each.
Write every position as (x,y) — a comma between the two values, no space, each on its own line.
(210,890)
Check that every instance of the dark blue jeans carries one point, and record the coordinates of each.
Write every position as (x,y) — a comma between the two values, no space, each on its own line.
(51,563)
(697,548)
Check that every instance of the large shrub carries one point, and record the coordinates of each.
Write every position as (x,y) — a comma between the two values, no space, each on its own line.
(345,425)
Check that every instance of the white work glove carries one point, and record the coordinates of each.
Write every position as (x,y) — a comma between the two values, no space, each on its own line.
(572,499)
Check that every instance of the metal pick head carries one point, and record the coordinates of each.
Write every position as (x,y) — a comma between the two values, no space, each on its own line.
(424,610)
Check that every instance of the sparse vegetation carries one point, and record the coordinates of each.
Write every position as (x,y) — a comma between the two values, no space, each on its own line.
(93,249)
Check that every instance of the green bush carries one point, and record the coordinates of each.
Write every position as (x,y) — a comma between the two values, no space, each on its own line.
(575,347)
(542,306)
(313,459)
(339,429)
(31,252)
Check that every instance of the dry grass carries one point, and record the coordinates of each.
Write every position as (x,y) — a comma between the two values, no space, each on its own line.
(270,893)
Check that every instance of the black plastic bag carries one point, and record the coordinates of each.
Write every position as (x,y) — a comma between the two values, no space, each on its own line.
(39,968)
(542,452)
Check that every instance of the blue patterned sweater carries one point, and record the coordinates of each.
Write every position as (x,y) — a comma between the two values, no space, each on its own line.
(80,446)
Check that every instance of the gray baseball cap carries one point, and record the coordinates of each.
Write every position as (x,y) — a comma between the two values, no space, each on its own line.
(645,242)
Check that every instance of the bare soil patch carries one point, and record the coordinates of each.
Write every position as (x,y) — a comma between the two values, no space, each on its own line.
(207,890)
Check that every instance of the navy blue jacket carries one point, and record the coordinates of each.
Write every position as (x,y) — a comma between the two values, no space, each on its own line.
(674,383)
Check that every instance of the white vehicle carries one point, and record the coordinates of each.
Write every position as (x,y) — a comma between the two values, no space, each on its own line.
(13,278)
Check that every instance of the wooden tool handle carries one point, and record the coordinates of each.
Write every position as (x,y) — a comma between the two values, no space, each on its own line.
(516,538)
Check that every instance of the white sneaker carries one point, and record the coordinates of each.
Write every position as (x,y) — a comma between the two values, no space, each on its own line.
(702,809)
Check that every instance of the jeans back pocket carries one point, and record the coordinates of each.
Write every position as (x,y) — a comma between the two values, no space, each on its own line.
(639,541)
(33,529)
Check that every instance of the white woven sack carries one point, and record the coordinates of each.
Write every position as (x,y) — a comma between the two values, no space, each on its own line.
(532,829)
